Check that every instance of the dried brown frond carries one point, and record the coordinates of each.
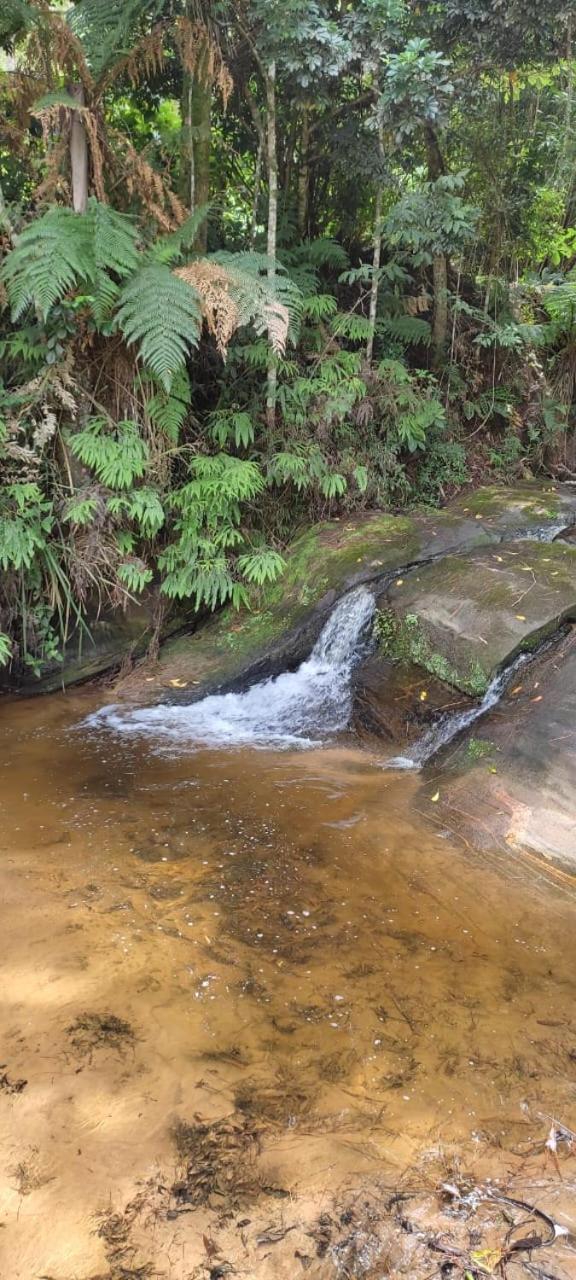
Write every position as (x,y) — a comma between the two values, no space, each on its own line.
(420,302)
(212,281)
(52,47)
(201,55)
(145,58)
(147,185)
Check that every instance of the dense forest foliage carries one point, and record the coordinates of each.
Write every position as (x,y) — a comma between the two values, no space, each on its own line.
(267,261)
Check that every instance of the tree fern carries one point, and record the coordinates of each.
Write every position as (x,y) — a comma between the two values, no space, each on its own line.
(163,314)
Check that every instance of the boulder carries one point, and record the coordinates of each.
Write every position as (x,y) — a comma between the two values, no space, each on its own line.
(464,617)
(511,783)
(278,629)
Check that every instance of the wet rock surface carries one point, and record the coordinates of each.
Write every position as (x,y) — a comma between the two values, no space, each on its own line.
(278,631)
(397,702)
(465,617)
(512,783)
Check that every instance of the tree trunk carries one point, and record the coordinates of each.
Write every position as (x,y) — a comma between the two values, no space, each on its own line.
(304,175)
(440,321)
(256,194)
(436,169)
(187,186)
(272,227)
(195,147)
(376,251)
(261,134)
(202,139)
(78,153)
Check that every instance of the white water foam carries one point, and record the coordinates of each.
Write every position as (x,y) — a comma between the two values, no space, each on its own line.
(297,708)
(450,726)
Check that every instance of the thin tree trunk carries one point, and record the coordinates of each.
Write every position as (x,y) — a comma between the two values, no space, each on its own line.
(202,140)
(304,175)
(78,153)
(261,134)
(436,168)
(187,176)
(272,227)
(376,251)
(256,195)
(440,320)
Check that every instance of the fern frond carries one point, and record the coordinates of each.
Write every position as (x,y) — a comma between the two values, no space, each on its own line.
(107,27)
(162,313)
(408,329)
(16,17)
(114,249)
(261,565)
(49,258)
(62,250)
(319,306)
(168,410)
(171,247)
(117,454)
(326,253)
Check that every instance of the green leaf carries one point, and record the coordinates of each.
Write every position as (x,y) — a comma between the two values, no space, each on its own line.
(163,315)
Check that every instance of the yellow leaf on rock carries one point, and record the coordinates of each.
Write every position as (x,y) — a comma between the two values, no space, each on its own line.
(486,1260)
(521,617)
(179,684)
(399,582)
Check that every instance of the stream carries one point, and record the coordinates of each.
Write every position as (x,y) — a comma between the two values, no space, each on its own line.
(268,977)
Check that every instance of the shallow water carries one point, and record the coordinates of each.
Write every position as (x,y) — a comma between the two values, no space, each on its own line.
(293,943)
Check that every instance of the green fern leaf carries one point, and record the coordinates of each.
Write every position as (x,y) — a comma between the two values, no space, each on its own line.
(134,575)
(407,329)
(163,314)
(5,649)
(143,506)
(262,565)
(49,258)
(117,454)
(114,250)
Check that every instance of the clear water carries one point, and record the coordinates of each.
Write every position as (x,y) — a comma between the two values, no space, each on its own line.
(297,708)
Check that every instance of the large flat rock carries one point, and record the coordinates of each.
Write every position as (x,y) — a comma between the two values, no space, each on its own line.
(510,783)
(283,621)
(464,617)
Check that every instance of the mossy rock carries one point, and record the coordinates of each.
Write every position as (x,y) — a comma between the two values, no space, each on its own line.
(279,628)
(464,617)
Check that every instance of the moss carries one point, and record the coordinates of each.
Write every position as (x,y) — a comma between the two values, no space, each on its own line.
(404,640)
(477,748)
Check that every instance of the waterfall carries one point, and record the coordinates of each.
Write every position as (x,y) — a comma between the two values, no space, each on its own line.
(297,708)
(440,734)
